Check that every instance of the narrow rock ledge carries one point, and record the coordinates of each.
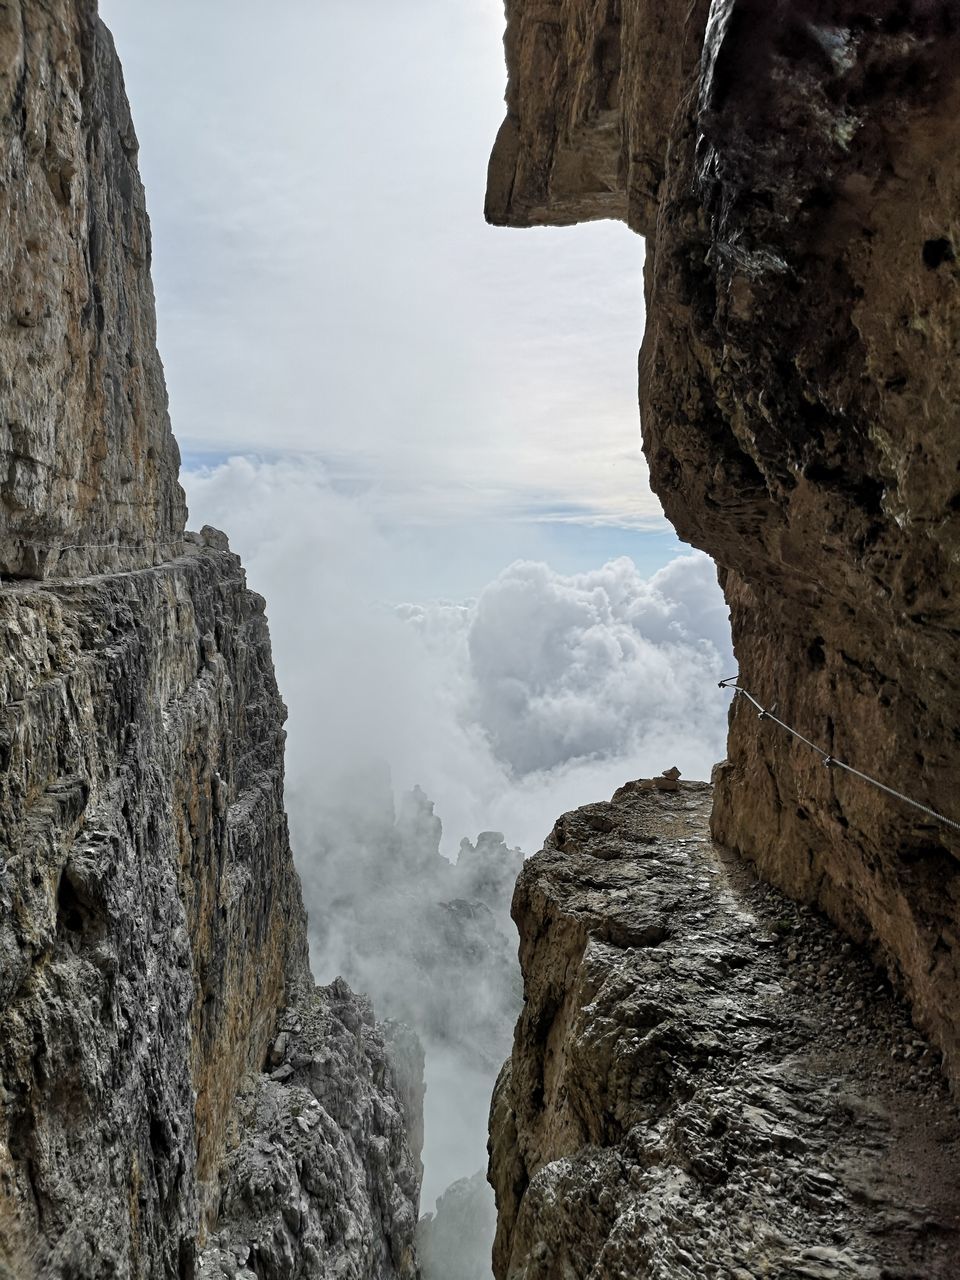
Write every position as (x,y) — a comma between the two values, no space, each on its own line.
(707,1080)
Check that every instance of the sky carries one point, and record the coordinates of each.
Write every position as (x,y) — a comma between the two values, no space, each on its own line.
(327,286)
(545,691)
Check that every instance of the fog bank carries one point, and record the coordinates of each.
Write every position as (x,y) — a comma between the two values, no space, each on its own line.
(544,692)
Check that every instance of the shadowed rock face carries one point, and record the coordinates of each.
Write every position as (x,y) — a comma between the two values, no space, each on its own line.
(323,1185)
(151,921)
(88,462)
(151,933)
(794,167)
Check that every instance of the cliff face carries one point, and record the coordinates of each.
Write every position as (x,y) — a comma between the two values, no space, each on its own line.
(322,1184)
(706,1080)
(793,167)
(88,463)
(174,1092)
(151,919)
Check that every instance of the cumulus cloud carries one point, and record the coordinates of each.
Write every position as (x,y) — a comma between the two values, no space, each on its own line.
(545,691)
(598,665)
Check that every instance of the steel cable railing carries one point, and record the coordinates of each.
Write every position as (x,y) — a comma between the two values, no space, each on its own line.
(831,761)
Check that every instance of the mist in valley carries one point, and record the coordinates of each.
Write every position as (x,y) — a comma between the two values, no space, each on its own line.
(432,745)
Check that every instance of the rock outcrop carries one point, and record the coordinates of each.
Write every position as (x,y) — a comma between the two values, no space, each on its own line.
(152,934)
(151,920)
(794,169)
(324,1161)
(707,1081)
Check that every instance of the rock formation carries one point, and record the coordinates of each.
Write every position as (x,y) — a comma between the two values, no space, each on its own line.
(323,1160)
(455,1242)
(89,464)
(432,944)
(707,1081)
(151,927)
(794,169)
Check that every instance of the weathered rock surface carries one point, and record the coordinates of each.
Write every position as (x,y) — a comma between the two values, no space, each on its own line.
(794,167)
(151,925)
(87,459)
(707,1080)
(323,1183)
(151,918)
(593,85)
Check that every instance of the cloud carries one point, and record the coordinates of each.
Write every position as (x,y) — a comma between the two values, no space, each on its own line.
(598,665)
(545,691)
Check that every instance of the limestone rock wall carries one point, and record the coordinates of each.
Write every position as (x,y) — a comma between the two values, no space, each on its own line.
(323,1184)
(794,168)
(151,920)
(580,140)
(87,459)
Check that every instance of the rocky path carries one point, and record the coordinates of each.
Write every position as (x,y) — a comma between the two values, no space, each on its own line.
(708,1081)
